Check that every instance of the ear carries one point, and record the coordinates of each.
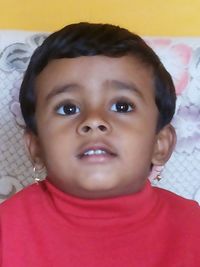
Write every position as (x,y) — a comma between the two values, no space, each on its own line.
(164,146)
(33,148)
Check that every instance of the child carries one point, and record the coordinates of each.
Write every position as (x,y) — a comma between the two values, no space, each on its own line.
(97,103)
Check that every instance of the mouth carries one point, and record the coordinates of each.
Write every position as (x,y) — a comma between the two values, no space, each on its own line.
(97,153)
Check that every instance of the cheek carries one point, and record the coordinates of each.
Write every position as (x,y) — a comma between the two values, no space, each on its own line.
(54,129)
(56,158)
(138,145)
(53,146)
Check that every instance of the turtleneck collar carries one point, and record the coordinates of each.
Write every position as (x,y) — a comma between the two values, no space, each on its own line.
(103,213)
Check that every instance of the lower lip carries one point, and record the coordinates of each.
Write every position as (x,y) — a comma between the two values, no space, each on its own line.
(102,158)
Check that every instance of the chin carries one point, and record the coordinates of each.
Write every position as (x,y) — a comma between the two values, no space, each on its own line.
(99,184)
(100,191)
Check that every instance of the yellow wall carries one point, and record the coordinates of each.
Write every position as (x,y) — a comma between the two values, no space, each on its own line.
(146,17)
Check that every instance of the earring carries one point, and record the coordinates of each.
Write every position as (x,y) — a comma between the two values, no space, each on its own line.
(36,177)
(159,171)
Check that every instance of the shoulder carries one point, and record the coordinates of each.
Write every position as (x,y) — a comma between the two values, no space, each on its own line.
(181,218)
(21,200)
(176,201)
(179,210)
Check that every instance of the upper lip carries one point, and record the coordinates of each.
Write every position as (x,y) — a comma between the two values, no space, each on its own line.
(96,146)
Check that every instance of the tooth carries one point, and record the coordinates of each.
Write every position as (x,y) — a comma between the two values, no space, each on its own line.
(90,152)
(96,152)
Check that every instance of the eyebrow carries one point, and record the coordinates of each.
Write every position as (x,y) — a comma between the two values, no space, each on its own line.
(61,89)
(116,84)
(129,86)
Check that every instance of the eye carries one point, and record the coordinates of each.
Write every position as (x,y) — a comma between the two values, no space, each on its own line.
(122,107)
(67,109)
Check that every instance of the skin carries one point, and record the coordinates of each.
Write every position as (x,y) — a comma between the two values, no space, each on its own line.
(98,103)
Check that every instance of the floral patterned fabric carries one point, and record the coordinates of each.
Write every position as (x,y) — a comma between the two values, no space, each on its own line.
(181,57)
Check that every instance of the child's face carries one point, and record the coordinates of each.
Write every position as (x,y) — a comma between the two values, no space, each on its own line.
(96,118)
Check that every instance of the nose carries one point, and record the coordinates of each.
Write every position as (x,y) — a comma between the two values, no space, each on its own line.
(94,125)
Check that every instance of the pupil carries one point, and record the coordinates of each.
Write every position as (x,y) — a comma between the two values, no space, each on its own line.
(122,107)
(69,109)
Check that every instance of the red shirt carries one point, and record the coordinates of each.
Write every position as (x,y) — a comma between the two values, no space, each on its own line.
(42,226)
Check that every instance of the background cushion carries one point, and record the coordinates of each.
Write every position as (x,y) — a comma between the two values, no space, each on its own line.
(181,57)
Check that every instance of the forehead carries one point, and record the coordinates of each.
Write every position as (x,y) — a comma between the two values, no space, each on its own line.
(94,72)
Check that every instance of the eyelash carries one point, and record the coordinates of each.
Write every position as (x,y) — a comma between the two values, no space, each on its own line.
(120,106)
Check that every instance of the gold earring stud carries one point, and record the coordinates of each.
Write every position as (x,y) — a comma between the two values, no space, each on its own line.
(159,171)
(36,178)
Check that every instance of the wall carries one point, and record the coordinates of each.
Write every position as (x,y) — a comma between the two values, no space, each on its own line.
(147,17)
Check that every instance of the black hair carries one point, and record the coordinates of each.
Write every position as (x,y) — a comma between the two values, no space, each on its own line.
(90,39)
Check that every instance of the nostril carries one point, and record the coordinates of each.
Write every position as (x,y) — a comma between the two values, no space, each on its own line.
(86,129)
(102,128)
